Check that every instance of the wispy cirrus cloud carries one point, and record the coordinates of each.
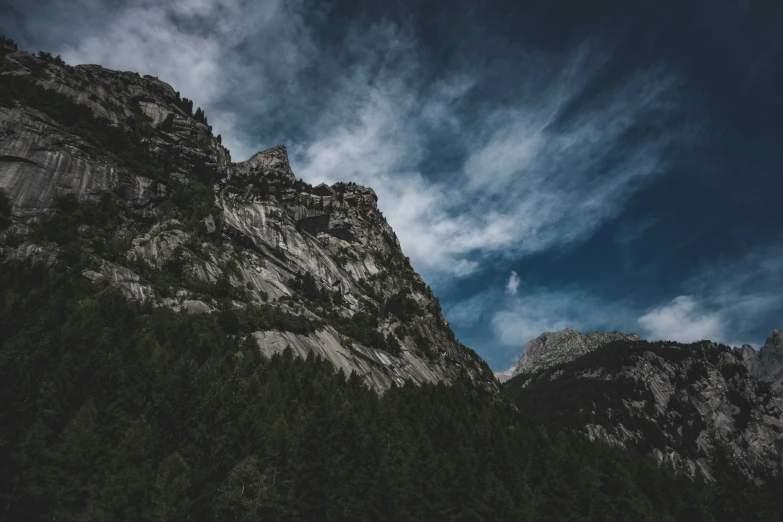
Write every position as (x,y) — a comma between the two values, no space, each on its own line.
(542,168)
(724,301)
(511,320)
(471,178)
(629,231)
(536,174)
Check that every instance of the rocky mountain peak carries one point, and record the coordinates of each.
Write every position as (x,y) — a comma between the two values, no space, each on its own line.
(553,348)
(766,364)
(666,399)
(272,160)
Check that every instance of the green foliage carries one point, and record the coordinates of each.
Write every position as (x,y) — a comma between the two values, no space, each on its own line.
(61,226)
(200,116)
(7,42)
(254,318)
(363,328)
(190,203)
(401,306)
(571,401)
(47,57)
(306,285)
(186,105)
(343,255)
(76,224)
(112,410)
(6,46)
(423,345)
(733,495)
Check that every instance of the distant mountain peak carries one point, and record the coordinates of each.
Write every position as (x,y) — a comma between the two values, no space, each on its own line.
(553,348)
(274,159)
(766,364)
(663,398)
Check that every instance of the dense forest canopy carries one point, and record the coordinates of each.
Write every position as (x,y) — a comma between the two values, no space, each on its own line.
(115,410)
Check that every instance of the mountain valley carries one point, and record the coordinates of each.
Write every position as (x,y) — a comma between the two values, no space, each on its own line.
(186,337)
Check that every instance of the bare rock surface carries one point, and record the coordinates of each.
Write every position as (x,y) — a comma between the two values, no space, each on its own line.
(553,348)
(666,399)
(767,363)
(202,234)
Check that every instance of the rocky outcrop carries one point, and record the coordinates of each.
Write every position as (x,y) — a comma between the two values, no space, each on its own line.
(207,235)
(553,348)
(766,364)
(40,160)
(270,162)
(665,399)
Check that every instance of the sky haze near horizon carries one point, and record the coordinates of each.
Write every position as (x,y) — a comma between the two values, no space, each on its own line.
(546,164)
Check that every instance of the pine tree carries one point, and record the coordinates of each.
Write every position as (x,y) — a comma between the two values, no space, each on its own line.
(170,494)
(242,493)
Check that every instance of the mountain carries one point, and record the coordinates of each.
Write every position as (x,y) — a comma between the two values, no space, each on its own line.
(115,173)
(553,348)
(154,295)
(766,364)
(665,399)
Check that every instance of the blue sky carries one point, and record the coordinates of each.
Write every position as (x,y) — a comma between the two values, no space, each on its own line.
(596,165)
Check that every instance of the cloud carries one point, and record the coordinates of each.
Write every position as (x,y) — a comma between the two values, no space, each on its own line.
(468,312)
(726,301)
(525,317)
(682,320)
(536,174)
(541,167)
(511,320)
(235,58)
(513,283)
(628,231)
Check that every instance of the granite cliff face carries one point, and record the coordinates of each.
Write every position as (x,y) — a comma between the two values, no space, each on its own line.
(191,230)
(766,364)
(669,400)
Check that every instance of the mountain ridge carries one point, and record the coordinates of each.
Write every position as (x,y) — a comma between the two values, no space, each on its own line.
(668,400)
(194,231)
(553,348)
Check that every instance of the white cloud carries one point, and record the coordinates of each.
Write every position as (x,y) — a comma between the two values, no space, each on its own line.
(535,173)
(531,180)
(468,312)
(523,318)
(191,44)
(725,301)
(682,320)
(513,283)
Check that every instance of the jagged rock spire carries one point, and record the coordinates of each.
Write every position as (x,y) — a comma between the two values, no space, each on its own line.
(274,159)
